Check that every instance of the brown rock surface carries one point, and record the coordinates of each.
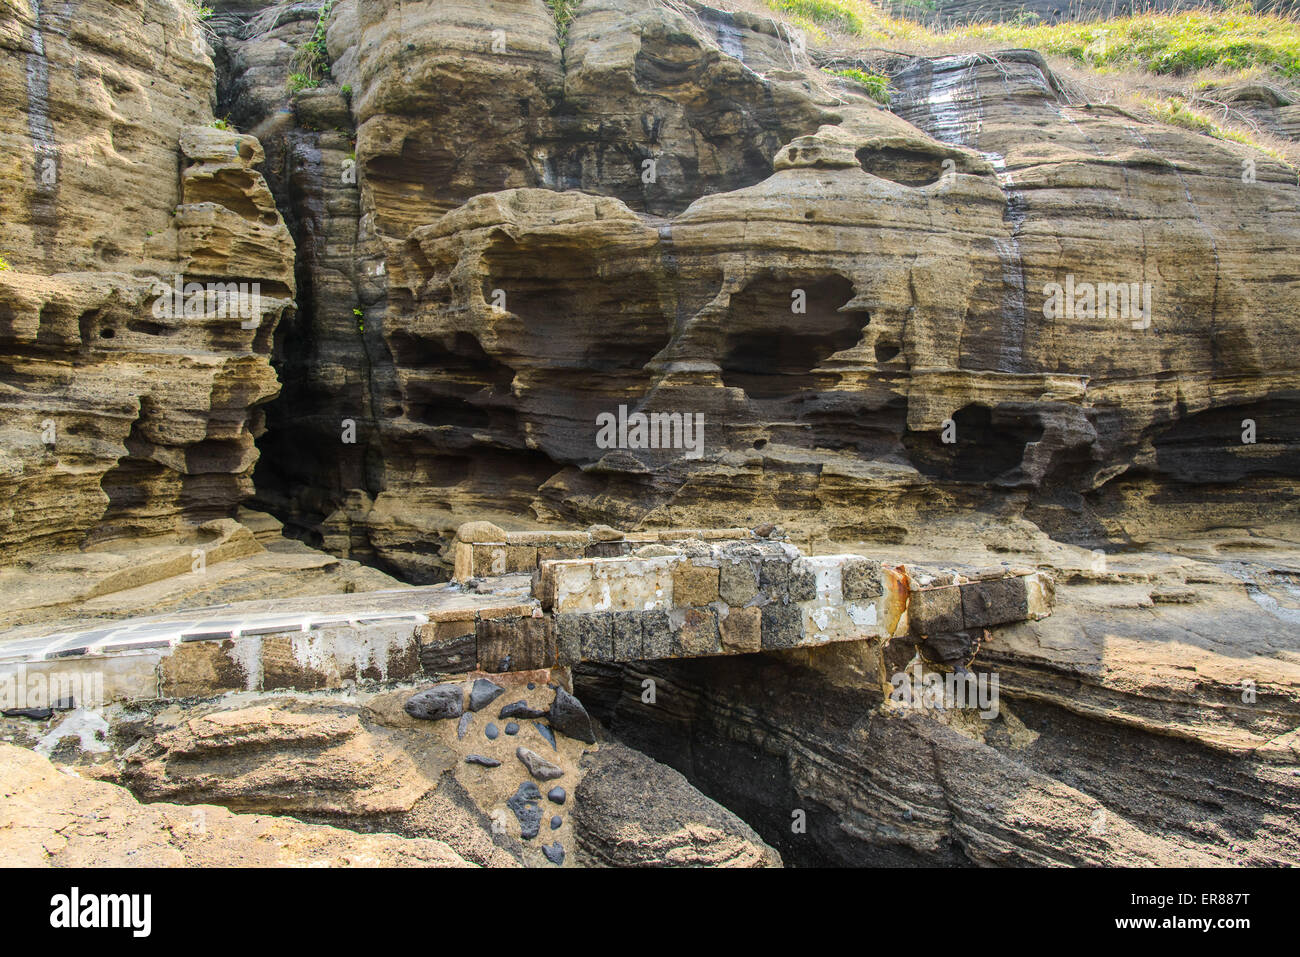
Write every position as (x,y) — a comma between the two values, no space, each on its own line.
(924,291)
(633,812)
(50,817)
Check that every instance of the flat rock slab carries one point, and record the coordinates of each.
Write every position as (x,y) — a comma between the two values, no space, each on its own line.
(538,766)
(440,701)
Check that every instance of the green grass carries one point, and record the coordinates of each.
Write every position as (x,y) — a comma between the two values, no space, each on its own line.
(4,265)
(877,86)
(1164,44)
(311,61)
(1175,43)
(1177,112)
(563,11)
(824,13)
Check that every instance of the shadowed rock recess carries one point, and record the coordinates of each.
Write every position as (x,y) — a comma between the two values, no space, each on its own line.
(449,433)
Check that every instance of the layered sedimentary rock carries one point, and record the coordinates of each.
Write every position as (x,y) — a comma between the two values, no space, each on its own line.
(675,213)
(500,782)
(650,267)
(1150,720)
(52,818)
(149,267)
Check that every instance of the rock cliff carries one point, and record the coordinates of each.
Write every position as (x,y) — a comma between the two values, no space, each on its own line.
(295,289)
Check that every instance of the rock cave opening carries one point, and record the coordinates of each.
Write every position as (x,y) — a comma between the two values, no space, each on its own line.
(780,347)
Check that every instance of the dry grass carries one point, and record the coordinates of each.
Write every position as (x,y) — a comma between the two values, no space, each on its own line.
(1163,68)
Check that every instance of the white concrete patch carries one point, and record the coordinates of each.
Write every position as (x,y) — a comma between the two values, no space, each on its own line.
(89,727)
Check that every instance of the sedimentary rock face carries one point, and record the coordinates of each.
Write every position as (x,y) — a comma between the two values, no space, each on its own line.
(992,289)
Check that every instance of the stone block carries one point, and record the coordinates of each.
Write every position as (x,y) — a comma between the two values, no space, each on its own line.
(774,579)
(447,647)
(697,632)
(737,582)
(694,585)
(568,638)
(782,626)
(803,581)
(515,644)
(657,637)
(520,558)
(988,603)
(206,668)
(741,630)
(933,611)
(596,637)
(861,579)
(489,560)
(625,631)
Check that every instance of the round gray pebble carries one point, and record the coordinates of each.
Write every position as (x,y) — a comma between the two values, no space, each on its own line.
(556,795)
(512,728)
(555,822)
(491,732)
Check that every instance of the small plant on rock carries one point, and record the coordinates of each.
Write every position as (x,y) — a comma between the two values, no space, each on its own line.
(311,62)
(877,86)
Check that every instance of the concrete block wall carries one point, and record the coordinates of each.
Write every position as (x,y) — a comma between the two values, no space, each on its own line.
(480,555)
(731,597)
(950,603)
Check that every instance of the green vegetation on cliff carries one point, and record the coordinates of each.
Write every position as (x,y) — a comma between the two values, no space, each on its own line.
(1173,43)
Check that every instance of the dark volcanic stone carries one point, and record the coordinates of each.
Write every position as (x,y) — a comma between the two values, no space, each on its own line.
(483,760)
(994,602)
(625,631)
(774,579)
(483,693)
(782,626)
(36,714)
(546,733)
(466,720)
(556,795)
(656,636)
(527,808)
(554,852)
(537,765)
(954,647)
(595,633)
(512,728)
(569,717)
(491,731)
(520,709)
(556,822)
(440,701)
(803,584)
(568,638)
(449,655)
